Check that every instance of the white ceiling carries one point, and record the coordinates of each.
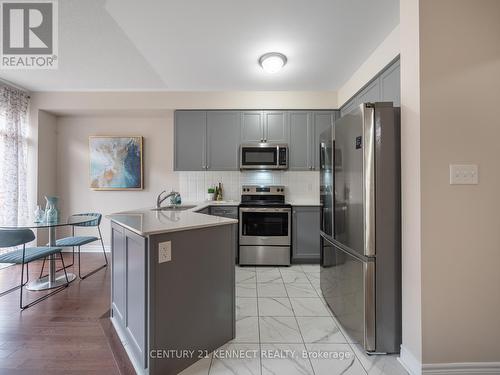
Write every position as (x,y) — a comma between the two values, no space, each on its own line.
(210,44)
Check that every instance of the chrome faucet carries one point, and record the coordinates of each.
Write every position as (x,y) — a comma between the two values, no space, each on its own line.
(160,199)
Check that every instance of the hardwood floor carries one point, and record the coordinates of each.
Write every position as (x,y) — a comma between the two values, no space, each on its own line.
(68,333)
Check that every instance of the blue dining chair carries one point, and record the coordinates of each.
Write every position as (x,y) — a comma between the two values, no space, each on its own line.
(78,241)
(17,237)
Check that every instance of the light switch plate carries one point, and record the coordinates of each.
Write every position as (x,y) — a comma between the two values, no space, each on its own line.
(164,252)
(464,174)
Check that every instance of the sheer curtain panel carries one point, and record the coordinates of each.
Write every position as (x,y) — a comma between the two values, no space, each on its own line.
(13,154)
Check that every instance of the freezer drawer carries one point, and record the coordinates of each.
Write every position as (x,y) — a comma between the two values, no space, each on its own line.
(348,285)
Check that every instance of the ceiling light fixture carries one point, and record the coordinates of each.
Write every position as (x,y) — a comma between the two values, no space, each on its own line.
(272,62)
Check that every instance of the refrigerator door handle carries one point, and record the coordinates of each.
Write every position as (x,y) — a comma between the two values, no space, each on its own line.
(368,144)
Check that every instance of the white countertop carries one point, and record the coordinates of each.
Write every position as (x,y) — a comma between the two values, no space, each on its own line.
(146,221)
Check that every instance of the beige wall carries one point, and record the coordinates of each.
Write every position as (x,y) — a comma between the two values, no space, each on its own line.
(73,162)
(460,91)
(72,102)
(47,185)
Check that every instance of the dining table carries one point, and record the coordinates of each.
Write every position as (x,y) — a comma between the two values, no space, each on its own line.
(51,280)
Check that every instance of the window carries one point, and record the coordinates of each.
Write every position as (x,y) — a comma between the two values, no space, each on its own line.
(13,155)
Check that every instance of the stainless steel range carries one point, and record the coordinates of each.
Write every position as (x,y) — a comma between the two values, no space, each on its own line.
(265,226)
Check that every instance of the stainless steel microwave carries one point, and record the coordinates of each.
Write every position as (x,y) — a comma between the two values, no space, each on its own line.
(264,156)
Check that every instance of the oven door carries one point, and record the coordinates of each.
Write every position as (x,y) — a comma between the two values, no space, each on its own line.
(259,157)
(265,226)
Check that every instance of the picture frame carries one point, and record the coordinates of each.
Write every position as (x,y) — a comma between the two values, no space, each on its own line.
(116,162)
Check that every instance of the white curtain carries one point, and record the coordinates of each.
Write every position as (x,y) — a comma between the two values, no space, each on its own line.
(13,155)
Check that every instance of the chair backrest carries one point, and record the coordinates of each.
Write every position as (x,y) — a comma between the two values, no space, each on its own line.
(15,237)
(93,223)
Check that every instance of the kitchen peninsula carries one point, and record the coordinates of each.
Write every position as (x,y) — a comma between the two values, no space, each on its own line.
(172,285)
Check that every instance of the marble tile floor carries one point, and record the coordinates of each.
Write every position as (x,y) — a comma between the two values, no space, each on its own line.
(284,327)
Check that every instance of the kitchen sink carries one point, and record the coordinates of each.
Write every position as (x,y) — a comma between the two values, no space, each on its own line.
(174,208)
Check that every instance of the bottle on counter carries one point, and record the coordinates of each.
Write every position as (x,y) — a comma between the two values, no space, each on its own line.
(219,194)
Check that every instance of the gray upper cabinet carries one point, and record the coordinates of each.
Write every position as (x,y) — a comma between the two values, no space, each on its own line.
(301,134)
(264,126)
(370,93)
(322,122)
(348,107)
(386,87)
(223,139)
(210,140)
(190,137)
(306,243)
(390,84)
(276,127)
(252,127)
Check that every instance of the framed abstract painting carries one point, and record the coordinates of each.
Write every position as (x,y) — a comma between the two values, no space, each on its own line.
(116,163)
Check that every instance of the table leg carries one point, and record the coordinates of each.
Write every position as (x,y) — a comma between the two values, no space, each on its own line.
(51,280)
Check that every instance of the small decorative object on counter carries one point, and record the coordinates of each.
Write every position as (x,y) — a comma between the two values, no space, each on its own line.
(39,214)
(210,194)
(219,192)
(175,199)
(51,211)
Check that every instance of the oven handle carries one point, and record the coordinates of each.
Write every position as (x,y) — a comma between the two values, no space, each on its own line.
(269,209)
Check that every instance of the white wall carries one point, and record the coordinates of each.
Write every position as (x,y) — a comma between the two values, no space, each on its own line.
(411,349)
(302,187)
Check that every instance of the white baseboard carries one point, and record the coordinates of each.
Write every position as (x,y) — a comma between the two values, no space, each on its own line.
(91,248)
(464,368)
(409,362)
(414,367)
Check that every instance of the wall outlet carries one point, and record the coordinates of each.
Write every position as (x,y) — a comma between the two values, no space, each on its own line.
(164,252)
(464,174)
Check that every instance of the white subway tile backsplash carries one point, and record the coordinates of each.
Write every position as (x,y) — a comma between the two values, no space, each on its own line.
(301,186)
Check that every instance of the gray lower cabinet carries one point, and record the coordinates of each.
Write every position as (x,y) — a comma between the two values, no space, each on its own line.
(190,140)
(129,288)
(230,212)
(305,234)
(185,303)
(223,140)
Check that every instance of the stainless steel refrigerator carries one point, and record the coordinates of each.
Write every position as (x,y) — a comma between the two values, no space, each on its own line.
(361,224)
